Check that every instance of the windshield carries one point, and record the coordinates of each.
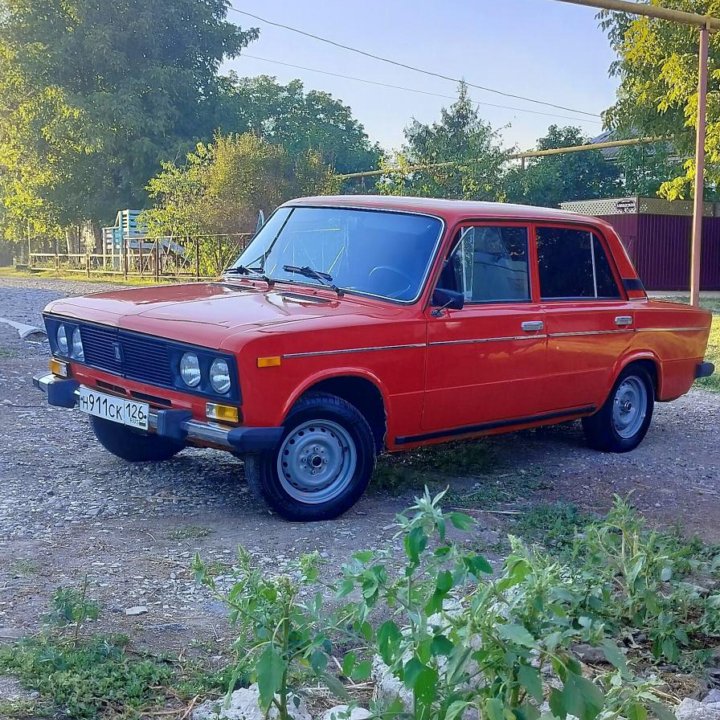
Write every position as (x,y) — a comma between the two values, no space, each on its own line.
(366,251)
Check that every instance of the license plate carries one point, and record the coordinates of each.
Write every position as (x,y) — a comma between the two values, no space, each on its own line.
(115,409)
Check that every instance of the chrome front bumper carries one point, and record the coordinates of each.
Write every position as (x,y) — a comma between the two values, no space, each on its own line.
(176,424)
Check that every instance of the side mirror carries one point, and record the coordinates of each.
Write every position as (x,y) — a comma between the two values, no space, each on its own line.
(450,299)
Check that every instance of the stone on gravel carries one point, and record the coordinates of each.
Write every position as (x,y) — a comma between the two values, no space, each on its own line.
(712,697)
(590,655)
(136,610)
(340,712)
(694,710)
(387,688)
(244,705)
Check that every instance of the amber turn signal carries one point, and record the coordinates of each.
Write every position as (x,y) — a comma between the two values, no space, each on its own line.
(272,361)
(57,367)
(224,413)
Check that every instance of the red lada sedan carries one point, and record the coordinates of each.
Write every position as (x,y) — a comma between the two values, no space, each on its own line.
(354,325)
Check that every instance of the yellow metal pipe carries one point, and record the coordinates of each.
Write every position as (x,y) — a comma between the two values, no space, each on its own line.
(514,156)
(654,11)
(696,244)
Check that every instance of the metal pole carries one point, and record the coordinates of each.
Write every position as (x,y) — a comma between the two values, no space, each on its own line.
(699,169)
(655,11)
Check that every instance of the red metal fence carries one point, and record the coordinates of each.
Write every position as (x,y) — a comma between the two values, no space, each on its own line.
(657,234)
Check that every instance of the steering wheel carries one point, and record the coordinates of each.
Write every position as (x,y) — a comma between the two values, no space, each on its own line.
(391,271)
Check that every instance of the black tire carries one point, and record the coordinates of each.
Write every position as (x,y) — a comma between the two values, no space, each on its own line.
(133,445)
(343,447)
(605,431)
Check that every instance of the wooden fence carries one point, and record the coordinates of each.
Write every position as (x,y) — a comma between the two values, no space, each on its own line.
(195,258)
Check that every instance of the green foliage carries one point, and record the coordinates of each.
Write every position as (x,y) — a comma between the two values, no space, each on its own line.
(555,526)
(300,122)
(713,355)
(459,636)
(280,638)
(640,582)
(553,179)
(459,639)
(223,185)
(462,139)
(93,96)
(72,607)
(472,457)
(88,680)
(657,68)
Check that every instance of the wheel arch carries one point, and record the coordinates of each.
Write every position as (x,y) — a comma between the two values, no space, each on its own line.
(649,361)
(361,389)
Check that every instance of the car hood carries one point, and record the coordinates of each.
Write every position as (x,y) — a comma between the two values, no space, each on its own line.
(209,313)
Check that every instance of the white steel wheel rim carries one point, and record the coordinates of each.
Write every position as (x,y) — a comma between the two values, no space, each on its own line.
(629,407)
(316,461)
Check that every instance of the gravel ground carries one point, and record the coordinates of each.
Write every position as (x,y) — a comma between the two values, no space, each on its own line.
(68,508)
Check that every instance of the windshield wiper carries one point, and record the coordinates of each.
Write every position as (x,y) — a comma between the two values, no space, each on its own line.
(257,271)
(308,272)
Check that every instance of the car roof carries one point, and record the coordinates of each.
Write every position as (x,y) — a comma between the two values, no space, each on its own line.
(447,209)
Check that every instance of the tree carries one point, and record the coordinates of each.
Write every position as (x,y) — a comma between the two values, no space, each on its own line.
(224,184)
(553,179)
(462,139)
(299,121)
(93,95)
(657,67)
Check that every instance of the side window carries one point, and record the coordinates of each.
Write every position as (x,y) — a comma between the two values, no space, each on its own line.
(573,264)
(489,264)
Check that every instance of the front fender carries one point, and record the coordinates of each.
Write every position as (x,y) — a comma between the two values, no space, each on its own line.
(332,374)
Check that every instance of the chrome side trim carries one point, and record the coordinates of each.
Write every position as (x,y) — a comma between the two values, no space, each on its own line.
(670,329)
(477,341)
(347,351)
(580,333)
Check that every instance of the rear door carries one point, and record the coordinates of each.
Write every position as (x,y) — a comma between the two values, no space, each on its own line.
(588,320)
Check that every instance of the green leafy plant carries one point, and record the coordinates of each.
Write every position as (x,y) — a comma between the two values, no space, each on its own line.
(461,639)
(73,607)
(453,633)
(281,638)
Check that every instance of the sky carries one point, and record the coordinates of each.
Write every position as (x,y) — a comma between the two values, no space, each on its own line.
(541,49)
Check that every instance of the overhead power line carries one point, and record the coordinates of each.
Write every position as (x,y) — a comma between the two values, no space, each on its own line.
(410,67)
(413,90)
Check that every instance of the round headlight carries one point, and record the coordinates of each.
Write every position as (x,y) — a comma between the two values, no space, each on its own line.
(220,376)
(77,347)
(190,369)
(62,340)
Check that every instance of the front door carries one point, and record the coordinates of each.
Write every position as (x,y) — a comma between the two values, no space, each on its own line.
(485,362)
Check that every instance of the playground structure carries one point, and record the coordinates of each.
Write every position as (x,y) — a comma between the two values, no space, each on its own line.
(128,250)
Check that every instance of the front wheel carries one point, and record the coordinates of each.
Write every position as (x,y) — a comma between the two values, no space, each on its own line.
(623,421)
(131,445)
(323,463)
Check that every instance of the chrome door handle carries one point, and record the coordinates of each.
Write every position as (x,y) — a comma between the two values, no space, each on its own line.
(532,325)
(623,320)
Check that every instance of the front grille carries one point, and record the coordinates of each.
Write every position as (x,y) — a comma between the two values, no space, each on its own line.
(98,345)
(122,353)
(145,359)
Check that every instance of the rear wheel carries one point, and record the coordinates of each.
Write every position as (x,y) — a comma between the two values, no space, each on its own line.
(132,445)
(323,463)
(623,421)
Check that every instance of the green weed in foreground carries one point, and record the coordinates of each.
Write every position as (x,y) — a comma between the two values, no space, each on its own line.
(460,635)
(553,525)
(97,677)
